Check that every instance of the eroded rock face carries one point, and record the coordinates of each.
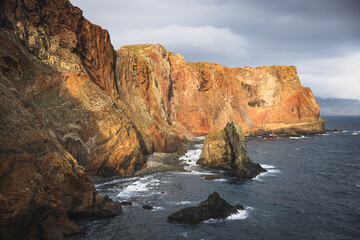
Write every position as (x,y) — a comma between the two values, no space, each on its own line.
(144,83)
(203,97)
(263,99)
(57,33)
(213,208)
(227,149)
(71,83)
(51,104)
(41,183)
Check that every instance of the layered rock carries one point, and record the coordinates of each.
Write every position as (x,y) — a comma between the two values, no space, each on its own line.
(226,149)
(213,208)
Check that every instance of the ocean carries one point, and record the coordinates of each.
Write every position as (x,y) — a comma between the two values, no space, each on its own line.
(311,191)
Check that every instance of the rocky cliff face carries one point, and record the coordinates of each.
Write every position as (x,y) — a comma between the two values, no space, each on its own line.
(75,93)
(70,103)
(227,149)
(145,89)
(203,97)
(264,99)
(56,71)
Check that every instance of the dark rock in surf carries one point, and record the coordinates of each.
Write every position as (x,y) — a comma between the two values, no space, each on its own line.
(213,208)
(334,130)
(148,207)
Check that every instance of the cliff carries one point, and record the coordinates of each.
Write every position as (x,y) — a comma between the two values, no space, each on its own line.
(72,106)
(71,81)
(203,97)
(56,79)
(227,149)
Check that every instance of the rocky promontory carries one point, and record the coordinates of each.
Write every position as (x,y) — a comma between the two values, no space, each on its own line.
(227,149)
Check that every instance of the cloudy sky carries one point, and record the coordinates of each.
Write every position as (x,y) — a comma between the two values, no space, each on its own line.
(320,37)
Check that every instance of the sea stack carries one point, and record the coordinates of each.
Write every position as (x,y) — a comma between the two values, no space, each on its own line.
(227,149)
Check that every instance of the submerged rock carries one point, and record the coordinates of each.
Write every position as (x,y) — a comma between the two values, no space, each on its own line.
(213,208)
(148,207)
(227,149)
(126,203)
(334,130)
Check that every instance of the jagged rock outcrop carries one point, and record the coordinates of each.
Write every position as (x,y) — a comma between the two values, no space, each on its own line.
(227,149)
(213,208)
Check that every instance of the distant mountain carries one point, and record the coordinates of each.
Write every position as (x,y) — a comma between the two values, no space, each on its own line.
(339,106)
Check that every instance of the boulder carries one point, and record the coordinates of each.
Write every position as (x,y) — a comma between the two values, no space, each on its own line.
(227,149)
(213,208)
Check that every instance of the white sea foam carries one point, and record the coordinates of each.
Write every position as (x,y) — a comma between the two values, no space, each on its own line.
(186,203)
(358,185)
(182,202)
(190,158)
(139,187)
(267,166)
(240,215)
(158,208)
(355,133)
(119,180)
(271,171)
(221,180)
(298,137)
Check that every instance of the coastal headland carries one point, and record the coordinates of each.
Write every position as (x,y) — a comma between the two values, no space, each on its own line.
(72,106)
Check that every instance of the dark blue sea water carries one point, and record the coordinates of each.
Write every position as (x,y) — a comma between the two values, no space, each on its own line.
(311,191)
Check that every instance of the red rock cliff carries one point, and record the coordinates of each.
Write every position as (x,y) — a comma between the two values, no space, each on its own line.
(203,97)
